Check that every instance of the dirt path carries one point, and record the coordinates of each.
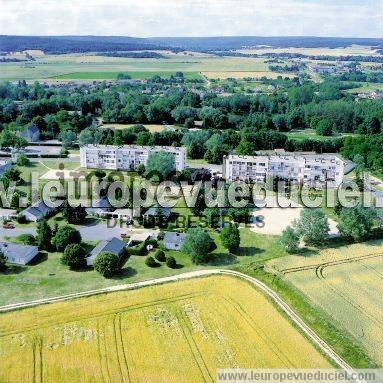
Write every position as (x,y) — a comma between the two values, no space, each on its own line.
(323,346)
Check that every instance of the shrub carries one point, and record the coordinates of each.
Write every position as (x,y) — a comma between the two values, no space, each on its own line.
(152,242)
(66,235)
(151,262)
(230,238)
(22,160)
(139,249)
(21,218)
(171,262)
(107,264)
(3,262)
(290,240)
(74,256)
(160,256)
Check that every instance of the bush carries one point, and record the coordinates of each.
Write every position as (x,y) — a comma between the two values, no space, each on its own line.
(152,242)
(107,264)
(22,160)
(139,249)
(160,256)
(21,218)
(3,262)
(66,235)
(74,256)
(290,240)
(27,239)
(151,262)
(171,262)
(230,238)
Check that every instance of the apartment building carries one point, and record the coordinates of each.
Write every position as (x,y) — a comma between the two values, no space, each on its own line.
(310,169)
(126,157)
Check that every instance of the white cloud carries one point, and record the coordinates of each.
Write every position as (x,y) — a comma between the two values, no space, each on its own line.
(192,17)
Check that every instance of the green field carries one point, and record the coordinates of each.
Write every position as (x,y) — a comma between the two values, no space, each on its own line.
(346,283)
(113,75)
(47,277)
(90,67)
(311,134)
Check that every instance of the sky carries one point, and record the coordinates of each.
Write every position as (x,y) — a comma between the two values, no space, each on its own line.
(152,18)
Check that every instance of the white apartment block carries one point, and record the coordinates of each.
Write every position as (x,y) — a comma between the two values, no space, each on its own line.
(311,169)
(126,157)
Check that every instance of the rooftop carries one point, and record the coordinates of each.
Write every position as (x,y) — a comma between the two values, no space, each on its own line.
(114,246)
(175,238)
(136,147)
(16,250)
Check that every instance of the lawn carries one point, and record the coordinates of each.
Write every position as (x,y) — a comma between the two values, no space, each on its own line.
(48,278)
(300,135)
(153,128)
(346,283)
(175,332)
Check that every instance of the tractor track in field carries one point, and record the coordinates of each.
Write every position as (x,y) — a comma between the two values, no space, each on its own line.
(103,313)
(330,263)
(319,274)
(291,314)
(264,338)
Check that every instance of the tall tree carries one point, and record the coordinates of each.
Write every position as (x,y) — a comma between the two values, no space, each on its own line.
(230,238)
(44,235)
(312,227)
(198,245)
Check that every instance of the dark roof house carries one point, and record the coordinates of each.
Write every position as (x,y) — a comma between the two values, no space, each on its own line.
(114,246)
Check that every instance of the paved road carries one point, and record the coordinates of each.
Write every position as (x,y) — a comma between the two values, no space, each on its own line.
(323,346)
(98,231)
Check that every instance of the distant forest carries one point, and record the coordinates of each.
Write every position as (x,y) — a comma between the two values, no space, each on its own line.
(134,55)
(73,44)
(82,44)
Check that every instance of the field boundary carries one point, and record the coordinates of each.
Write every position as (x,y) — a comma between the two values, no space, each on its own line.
(321,344)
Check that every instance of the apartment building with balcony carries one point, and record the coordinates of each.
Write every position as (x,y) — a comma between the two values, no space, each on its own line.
(127,157)
(310,169)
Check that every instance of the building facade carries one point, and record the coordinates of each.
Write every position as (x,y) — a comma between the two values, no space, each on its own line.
(312,169)
(126,157)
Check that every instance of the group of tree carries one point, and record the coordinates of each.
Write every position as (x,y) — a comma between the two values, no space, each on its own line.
(312,228)
(355,224)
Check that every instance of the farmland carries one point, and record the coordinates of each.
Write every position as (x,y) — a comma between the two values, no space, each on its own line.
(352,50)
(346,282)
(185,329)
(90,67)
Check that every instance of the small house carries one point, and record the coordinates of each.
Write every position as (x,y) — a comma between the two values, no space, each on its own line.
(18,254)
(31,133)
(158,211)
(173,241)
(37,211)
(101,207)
(4,166)
(114,246)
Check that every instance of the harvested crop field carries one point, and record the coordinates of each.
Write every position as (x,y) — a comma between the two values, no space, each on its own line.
(245,74)
(177,332)
(348,284)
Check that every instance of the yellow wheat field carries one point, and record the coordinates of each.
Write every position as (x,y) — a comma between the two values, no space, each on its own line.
(178,332)
(346,282)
